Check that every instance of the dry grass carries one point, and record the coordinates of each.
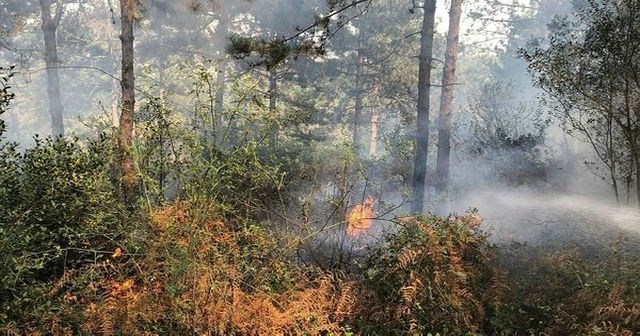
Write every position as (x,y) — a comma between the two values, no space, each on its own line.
(430,278)
(200,274)
(203,277)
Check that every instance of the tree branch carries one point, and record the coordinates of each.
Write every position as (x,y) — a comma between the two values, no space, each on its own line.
(354,3)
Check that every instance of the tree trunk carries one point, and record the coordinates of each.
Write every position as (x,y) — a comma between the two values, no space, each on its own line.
(638,182)
(49,28)
(125,138)
(357,111)
(373,138)
(446,98)
(424,89)
(115,103)
(115,83)
(612,160)
(636,160)
(218,109)
(220,36)
(273,100)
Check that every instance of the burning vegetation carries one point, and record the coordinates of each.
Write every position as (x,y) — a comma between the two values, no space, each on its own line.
(360,218)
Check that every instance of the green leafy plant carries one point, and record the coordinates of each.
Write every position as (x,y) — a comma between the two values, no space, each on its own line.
(5,93)
(59,210)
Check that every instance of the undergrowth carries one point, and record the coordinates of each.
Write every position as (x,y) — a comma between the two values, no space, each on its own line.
(201,272)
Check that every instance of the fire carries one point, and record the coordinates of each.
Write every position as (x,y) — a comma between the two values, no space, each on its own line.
(359,218)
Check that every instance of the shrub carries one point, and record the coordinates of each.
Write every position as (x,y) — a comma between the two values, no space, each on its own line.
(206,155)
(59,209)
(432,276)
(568,292)
(201,275)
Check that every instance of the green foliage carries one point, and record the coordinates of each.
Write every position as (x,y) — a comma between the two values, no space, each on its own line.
(5,94)
(270,53)
(272,49)
(210,154)
(588,69)
(221,262)
(58,208)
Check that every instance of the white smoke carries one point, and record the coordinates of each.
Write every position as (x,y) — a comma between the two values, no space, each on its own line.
(523,215)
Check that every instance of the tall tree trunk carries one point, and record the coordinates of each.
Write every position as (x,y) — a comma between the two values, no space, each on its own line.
(373,138)
(357,111)
(125,138)
(49,28)
(220,37)
(422,124)
(612,159)
(273,100)
(446,98)
(115,83)
(636,161)
(218,108)
(115,103)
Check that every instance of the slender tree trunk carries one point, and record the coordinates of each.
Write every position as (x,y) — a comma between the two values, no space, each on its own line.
(446,99)
(638,183)
(49,28)
(115,83)
(636,159)
(424,89)
(115,104)
(273,100)
(614,185)
(219,101)
(612,160)
(373,139)
(357,111)
(125,139)
(220,38)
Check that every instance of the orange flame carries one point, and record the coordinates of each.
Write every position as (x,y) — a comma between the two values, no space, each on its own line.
(359,218)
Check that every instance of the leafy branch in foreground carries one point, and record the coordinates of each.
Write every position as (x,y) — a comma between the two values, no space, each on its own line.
(5,94)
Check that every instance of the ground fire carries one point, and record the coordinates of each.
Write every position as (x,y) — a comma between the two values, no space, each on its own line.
(359,218)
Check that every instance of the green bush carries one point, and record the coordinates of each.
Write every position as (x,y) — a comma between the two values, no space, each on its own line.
(208,155)
(59,210)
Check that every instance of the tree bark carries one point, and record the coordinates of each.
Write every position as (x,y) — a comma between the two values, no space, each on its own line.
(446,98)
(358,106)
(219,101)
(422,123)
(220,36)
(115,83)
(273,100)
(125,138)
(638,179)
(49,29)
(373,138)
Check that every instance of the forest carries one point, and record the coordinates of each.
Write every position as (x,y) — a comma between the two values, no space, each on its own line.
(320,167)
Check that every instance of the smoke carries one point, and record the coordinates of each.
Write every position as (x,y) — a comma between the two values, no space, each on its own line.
(528,216)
